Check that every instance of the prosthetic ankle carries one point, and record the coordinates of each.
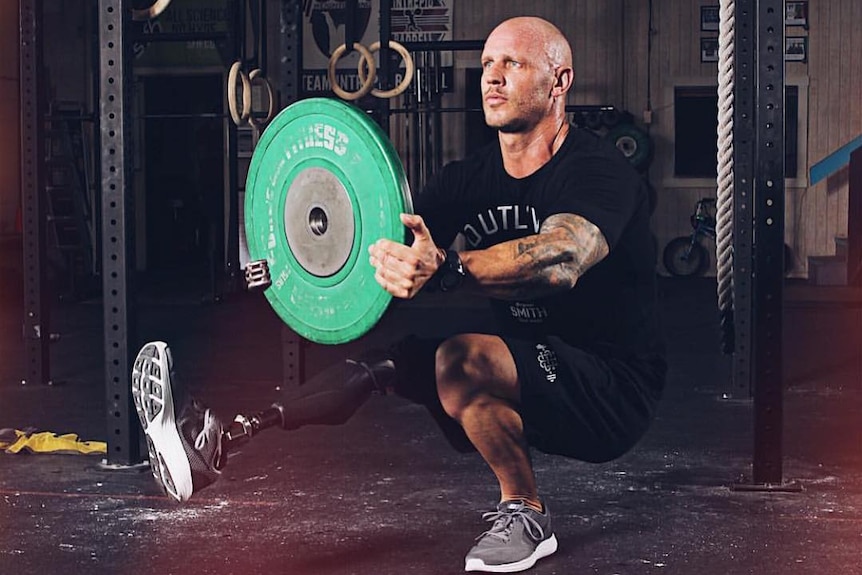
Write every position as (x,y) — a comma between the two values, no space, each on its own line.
(244,427)
(329,398)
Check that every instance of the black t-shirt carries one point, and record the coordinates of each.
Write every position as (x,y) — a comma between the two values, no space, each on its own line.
(611,310)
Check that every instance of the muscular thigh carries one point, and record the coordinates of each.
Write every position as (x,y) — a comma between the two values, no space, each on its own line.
(483,358)
(580,405)
(472,363)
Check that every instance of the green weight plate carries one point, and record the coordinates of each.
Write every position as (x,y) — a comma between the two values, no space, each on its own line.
(323,185)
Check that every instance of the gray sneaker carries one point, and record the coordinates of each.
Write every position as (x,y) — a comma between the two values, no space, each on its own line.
(184,438)
(519,537)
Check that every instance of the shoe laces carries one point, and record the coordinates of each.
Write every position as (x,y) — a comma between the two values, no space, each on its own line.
(504,522)
(209,430)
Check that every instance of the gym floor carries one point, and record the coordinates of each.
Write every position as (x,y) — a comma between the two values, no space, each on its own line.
(385,495)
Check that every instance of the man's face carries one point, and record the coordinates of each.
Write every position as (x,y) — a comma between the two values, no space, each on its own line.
(517,80)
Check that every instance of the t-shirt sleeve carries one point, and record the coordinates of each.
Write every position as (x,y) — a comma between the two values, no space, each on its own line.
(601,188)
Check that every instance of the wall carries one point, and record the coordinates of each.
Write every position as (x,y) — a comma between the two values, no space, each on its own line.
(830,115)
(835,116)
(676,62)
(10,157)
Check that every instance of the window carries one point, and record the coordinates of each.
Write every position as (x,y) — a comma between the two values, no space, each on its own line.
(696,138)
(696,131)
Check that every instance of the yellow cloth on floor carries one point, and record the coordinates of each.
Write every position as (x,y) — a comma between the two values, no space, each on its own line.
(47,442)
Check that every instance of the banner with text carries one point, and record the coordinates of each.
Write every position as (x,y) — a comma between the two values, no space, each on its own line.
(200,17)
(324,23)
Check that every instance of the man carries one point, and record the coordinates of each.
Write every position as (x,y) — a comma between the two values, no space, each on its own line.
(558,228)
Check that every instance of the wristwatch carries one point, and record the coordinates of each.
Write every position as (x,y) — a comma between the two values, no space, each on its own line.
(451,273)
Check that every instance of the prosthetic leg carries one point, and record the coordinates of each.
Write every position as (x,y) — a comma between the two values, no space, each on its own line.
(329,398)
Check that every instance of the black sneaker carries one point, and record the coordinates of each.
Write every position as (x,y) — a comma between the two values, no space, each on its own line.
(519,537)
(184,438)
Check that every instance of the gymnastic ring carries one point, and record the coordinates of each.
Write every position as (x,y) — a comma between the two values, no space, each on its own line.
(235,71)
(408,73)
(256,74)
(154,10)
(366,85)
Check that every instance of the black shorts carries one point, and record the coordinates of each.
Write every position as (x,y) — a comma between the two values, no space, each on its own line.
(573,403)
(581,405)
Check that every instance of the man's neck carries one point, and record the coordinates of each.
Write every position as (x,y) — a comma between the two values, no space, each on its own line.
(525,153)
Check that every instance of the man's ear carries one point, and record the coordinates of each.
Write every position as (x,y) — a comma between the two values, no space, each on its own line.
(563,79)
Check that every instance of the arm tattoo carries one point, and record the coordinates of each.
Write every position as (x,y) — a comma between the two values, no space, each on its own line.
(551,261)
(583,242)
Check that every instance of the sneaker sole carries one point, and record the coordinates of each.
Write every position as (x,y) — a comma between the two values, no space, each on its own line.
(543,549)
(154,403)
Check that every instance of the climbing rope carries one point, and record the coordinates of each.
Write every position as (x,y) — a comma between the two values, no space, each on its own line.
(724,199)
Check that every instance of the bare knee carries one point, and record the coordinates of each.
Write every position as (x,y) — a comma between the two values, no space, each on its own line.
(470,367)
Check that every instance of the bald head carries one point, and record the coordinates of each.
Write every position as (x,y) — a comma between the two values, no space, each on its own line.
(541,34)
(526,74)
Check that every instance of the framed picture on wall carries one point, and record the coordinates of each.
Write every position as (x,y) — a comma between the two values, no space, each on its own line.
(709,18)
(796,48)
(796,13)
(709,49)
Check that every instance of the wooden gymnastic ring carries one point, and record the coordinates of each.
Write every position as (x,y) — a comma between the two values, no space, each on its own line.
(257,74)
(238,118)
(366,85)
(408,73)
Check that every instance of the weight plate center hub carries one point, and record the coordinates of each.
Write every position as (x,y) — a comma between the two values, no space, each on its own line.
(319,221)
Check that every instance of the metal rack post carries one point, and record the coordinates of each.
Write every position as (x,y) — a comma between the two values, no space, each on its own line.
(745,59)
(759,232)
(36,308)
(117,228)
(768,270)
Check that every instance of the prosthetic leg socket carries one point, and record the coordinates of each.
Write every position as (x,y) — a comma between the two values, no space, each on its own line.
(329,398)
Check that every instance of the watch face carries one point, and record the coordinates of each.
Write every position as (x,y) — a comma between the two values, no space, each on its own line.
(450,280)
(452,272)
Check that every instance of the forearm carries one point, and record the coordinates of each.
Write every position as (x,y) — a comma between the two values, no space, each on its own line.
(539,265)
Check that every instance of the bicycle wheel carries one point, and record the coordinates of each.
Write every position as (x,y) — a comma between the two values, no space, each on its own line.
(684,259)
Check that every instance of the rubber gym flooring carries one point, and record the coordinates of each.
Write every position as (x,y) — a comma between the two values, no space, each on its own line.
(385,495)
